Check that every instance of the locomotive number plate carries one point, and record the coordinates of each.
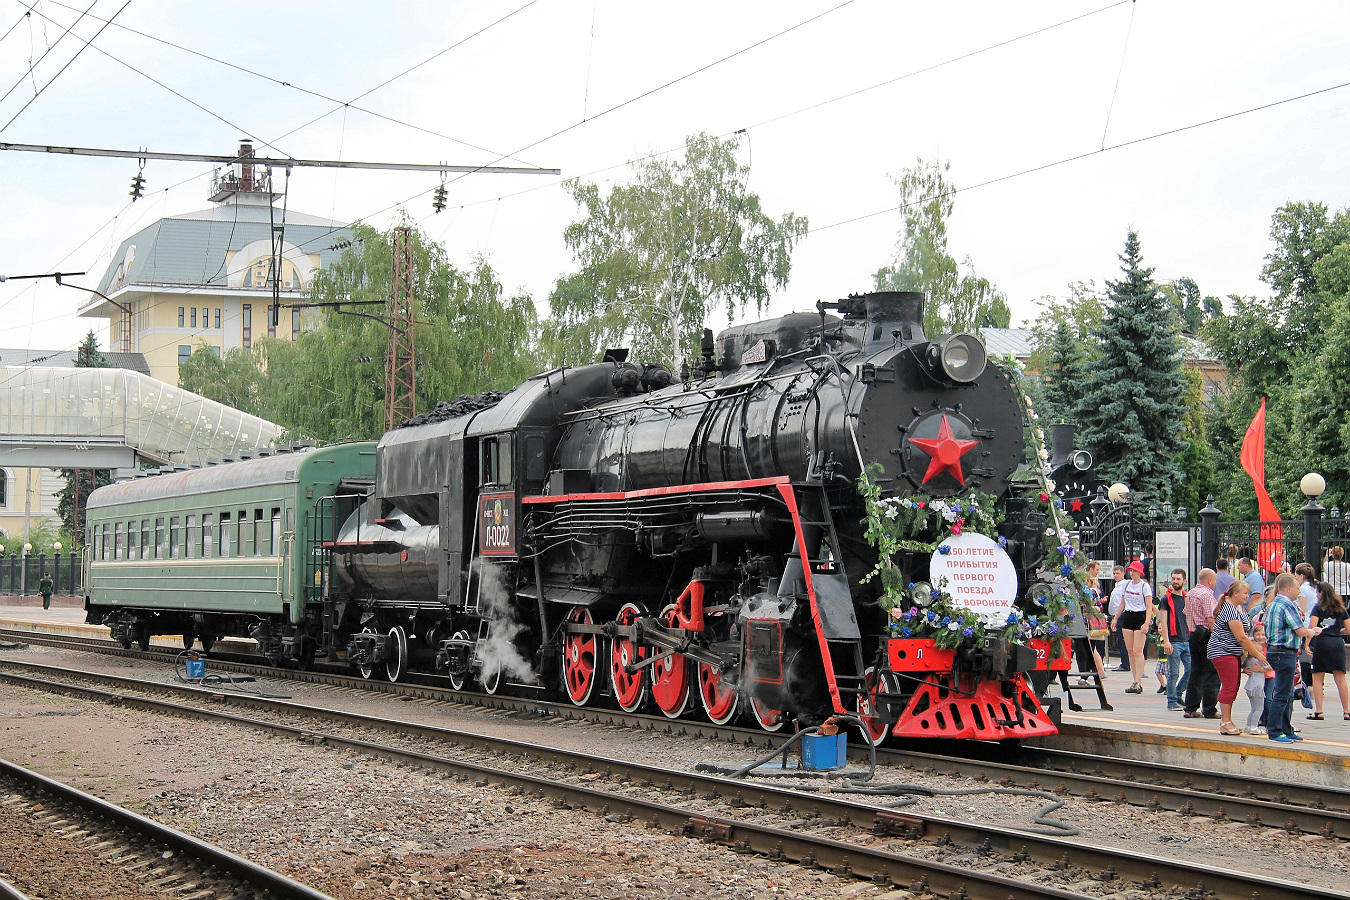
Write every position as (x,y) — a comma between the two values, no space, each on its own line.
(496,525)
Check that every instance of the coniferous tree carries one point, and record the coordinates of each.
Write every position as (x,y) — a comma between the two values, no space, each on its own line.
(1064,373)
(1133,413)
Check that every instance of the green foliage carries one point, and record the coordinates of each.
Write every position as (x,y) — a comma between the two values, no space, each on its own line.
(1192,309)
(1132,413)
(1290,348)
(87,355)
(1062,375)
(85,480)
(471,336)
(957,300)
(1197,470)
(43,534)
(659,255)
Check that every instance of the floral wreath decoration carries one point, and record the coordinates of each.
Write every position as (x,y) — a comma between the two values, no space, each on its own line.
(919,610)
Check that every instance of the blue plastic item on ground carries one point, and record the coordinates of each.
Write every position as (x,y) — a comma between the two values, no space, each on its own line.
(196,668)
(822,752)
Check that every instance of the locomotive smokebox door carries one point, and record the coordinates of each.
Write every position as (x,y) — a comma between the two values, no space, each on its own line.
(933,435)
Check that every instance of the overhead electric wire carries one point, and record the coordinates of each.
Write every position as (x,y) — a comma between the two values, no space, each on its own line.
(152,79)
(1080,156)
(823,103)
(313,93)
(648,93)
(388,81)
(16,24)
(1120,71)
(674,81)
(87,44)
(33,65)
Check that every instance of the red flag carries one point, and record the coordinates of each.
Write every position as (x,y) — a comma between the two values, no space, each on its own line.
(1270,548)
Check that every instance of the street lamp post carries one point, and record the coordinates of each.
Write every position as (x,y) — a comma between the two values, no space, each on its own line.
(1313,486)
(23,563)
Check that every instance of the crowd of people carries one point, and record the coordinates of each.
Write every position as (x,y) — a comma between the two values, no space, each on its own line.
(1228,633)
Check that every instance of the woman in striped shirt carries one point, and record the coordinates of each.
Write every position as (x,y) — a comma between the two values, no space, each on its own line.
(1226,646)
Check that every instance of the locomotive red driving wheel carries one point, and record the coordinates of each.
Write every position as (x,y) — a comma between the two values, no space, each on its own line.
(670,676)
(767,717)
(580,655)
(874,683)
(719,700)
(630,688)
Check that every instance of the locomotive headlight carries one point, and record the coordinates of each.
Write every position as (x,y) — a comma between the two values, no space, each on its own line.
(960,357)
(1081,459)
(921,594)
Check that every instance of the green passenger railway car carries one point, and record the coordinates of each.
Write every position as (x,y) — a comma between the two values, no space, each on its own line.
(226,550)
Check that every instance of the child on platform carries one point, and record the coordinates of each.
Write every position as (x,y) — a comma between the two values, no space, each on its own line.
(1255,687)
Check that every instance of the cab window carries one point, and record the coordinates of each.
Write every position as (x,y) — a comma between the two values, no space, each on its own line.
(496,467)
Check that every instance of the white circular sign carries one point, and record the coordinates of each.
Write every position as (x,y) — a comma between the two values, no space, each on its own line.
(980,576)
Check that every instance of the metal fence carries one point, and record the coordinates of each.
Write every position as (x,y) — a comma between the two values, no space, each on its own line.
(1119,532)
(21,575)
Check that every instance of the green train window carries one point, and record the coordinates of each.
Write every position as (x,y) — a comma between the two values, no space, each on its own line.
(225,533)
(276,530)
(175,524)
(207,542)
(161,540)
(147,549)
(262,535)
(192,546)
(118,547)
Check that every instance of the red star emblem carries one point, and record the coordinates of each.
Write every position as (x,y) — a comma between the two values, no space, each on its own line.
(1075,505)
(944,453)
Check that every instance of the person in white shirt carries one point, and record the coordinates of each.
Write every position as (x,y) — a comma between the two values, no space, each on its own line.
(1136,612)
(1113,610)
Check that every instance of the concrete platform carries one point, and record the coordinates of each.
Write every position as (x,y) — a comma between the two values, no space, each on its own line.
(1156,734)
(69,621)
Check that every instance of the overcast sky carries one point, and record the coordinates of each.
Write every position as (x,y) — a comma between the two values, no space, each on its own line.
(985,92)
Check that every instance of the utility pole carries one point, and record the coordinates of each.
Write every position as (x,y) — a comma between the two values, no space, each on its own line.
(401,362)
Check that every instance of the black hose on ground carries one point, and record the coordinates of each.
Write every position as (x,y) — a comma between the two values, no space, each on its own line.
(907,794)
(227,681)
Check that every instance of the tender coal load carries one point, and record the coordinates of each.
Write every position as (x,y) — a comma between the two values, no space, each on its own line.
(461,406)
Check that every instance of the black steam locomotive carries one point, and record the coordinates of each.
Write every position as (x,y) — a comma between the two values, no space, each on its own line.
(612,533)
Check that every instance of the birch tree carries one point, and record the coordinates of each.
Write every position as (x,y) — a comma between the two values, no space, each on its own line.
(659,255)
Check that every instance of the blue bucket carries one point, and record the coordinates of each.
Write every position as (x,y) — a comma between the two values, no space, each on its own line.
(822,752)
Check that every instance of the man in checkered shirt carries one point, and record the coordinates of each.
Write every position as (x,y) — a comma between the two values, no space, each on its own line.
(1284,629)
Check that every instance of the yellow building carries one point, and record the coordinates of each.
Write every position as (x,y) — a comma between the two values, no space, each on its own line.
(27,494)
(206,276)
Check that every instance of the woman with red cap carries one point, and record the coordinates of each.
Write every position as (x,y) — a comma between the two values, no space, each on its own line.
(1136,611)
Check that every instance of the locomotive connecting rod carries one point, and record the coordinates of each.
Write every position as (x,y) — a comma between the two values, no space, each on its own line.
(653,633)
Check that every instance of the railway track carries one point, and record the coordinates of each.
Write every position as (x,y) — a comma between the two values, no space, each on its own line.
(813,829)
(1288,805)
(84,828)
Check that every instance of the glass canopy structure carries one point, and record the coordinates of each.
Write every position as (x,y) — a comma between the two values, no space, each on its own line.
(55,417)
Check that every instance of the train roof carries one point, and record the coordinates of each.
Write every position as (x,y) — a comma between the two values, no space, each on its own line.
(282,468)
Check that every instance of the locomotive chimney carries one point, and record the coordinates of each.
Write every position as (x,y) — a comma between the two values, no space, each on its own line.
(891,311)
(1061,442)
